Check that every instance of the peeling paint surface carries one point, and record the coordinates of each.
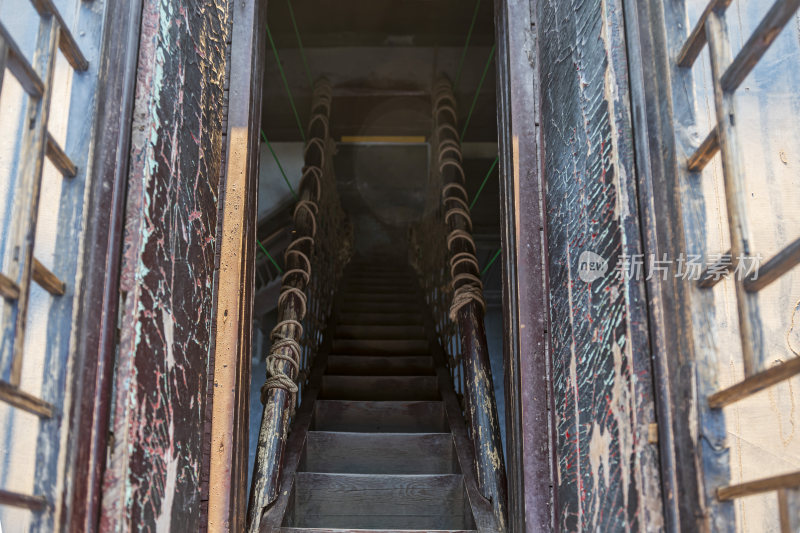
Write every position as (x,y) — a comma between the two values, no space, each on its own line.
(153,479)
(607,472)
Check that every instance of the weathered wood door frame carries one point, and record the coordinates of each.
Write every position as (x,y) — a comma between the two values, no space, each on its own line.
(96,318)
(530,462)
(232,344)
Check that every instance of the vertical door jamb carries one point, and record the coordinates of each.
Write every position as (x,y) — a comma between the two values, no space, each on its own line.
(235,271)
(532,504)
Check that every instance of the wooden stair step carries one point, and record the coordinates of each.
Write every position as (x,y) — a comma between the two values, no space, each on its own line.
(379,388)
(380,501)
(361,297)
(377,280)
(383,319)
(393,365)
(329,530)
(374,331)
(379,453)
(380,417)
(380,346)
(380,286)
(377,272)
(382,307)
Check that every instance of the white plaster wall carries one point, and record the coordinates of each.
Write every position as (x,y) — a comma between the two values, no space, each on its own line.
(763,432)
(32,451)
(273,193)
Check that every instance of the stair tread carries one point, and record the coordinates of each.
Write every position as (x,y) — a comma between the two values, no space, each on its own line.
(386,318)
(391,365)
(338,387)
(380,416)
(385,307)
(380,331)
(379,453)
(381,346)
(350,530)
(360,297)
(410,501)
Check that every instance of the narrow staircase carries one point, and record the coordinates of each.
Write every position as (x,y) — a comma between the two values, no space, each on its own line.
(379,443)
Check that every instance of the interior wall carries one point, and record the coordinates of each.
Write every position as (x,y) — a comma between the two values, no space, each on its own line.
(34,451)
(755,437)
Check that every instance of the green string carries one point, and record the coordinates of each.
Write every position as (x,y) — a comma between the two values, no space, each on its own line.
(264,136)
(269,256)
(300,43)
(480,189)
(478,92)
(491,262)
(466,45)
(286,85)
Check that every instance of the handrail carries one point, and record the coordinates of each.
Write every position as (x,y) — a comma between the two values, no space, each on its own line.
(323,238)
(450,276)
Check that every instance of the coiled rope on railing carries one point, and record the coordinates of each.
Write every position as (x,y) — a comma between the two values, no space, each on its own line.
(323,238)
(284,359)
(464,268)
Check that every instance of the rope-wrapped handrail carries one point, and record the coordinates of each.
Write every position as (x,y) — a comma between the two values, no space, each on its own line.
(322,239)
(455,294)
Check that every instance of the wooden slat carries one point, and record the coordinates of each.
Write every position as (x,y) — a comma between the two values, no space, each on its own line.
(22,400)
(697,39)
(25,210)
(758,43)
(3,60)
(15,499)
(59,158)
(735,193)
(789,510)
(47,280)
(708,278)
(769,484)
(8,289)
(19,66)
(755,383)
(66,42)
(705,152)
(776,267)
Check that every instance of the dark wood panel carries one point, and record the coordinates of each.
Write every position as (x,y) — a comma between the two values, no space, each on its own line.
(377,453)
(167,268)
(608,471)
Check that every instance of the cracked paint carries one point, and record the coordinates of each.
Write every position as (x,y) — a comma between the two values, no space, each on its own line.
(607,472)
(153,481)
